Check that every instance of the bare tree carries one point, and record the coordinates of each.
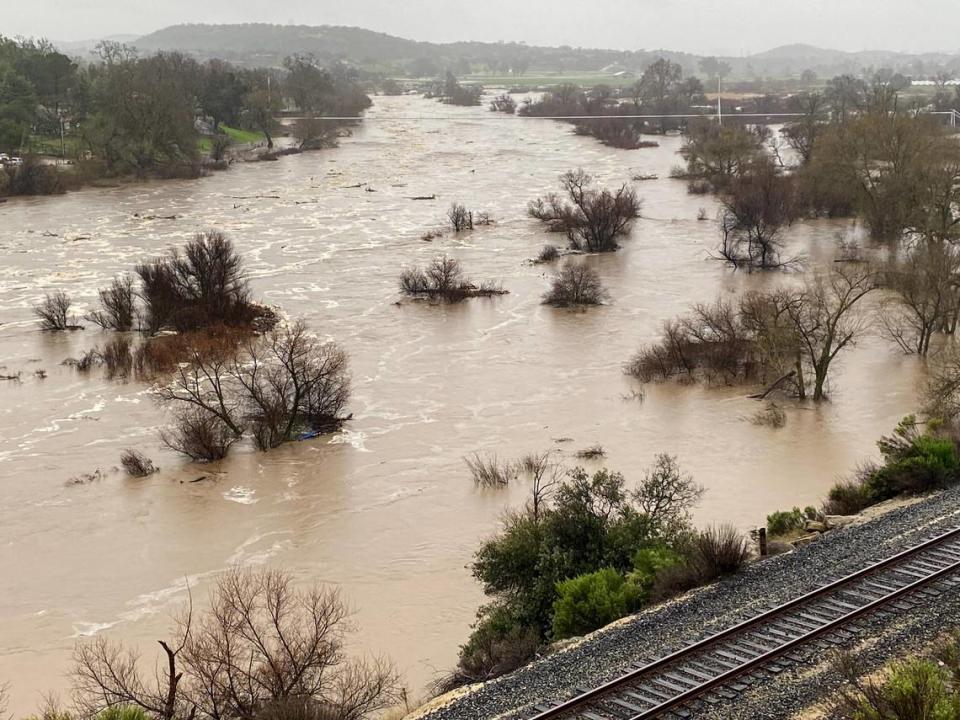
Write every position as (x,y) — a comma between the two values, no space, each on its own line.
(826,320)
(757,206)
(202,285)
(666,494)
(592,219)
(292,381)
(941,392)
(108,675)
(54,312)
(545,477)
(263,641)
(205,382)
(264,649)
(200,435)
(925,298)
(460,218)
(790,337)
(118,303)
(443,279)
(278,385)
(575,284)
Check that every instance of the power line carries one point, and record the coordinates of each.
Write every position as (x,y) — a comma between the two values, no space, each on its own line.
(503,117)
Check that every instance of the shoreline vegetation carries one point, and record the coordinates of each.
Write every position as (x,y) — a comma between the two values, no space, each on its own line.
(125,116)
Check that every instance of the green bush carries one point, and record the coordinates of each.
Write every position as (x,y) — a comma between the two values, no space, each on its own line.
(591,601)
(929,463)
(915,690)
(782,522)
(649,561)
(913,462)
(122,712)
(847,497)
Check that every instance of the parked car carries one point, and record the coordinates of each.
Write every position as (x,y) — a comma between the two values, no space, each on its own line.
(4,158)
(13,162)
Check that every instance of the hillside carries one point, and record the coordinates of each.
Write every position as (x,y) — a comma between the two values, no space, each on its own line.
(265,44)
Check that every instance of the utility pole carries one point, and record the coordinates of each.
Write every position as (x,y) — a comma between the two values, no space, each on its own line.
(719,106)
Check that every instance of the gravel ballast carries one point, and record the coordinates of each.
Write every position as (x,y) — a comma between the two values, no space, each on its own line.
(666,628)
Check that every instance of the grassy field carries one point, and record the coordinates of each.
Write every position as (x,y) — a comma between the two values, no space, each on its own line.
(42,145)
(238,136)
(537,79)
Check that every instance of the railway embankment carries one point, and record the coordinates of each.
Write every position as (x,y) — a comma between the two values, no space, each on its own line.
(664,629)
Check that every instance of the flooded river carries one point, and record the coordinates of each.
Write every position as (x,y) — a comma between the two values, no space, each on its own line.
(386,508)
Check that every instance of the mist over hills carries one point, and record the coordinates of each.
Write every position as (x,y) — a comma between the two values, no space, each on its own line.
(267,45)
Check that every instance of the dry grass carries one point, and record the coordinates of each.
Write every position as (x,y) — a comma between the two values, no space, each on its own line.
(489,471)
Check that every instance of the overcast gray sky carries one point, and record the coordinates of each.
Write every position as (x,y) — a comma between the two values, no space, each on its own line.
(702,26)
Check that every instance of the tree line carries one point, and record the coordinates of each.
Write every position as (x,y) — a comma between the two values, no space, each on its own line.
(126,114)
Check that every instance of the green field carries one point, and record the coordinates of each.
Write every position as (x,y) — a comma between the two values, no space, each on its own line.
(238,136)
(538,79)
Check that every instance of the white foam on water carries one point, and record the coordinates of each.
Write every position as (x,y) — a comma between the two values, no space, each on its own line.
(354,438)
(241,495)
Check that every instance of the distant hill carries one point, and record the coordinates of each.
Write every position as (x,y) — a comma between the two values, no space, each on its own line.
(267,45)
(263,44)
(82,48)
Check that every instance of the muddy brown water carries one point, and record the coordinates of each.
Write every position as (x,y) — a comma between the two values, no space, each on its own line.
(385,509)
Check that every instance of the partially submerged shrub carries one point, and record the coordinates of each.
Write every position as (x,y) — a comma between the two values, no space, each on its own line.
(443,279)
(201,436)
(548,253)
(460,218)
(594,452)
(593,220)
(118,303)
(54,312)
(87,360)
(771,416)
(489,471)
(34,177)
(575,284)
(136,464)
(117,357)
(278,387)
(503,103)
(204,284)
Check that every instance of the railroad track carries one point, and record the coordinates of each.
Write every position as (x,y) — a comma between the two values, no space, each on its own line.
(720,666)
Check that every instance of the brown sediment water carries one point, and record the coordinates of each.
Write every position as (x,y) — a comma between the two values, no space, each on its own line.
(385,509)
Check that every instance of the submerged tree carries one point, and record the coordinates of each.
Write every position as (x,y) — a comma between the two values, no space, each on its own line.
(592,219)
(787,337)
(756,207)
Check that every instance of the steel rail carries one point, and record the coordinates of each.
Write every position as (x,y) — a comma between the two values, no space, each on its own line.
(569,706)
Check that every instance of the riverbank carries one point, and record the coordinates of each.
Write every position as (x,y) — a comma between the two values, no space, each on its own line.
(660,630)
